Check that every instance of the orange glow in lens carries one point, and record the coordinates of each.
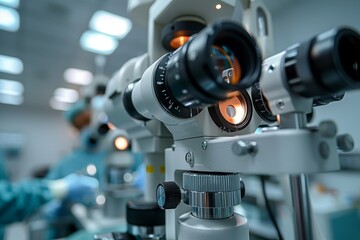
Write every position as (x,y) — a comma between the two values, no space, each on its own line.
(234,110)
(177,42)
(121,143)
(111,126)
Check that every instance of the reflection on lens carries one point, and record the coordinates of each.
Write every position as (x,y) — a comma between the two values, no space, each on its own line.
(232,114)
(177,42)
(233,110)
(121,143)
(226,64)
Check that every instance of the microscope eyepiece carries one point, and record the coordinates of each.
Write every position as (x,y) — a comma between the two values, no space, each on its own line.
(320,69)
(326,64)
(217,64)
(214,65)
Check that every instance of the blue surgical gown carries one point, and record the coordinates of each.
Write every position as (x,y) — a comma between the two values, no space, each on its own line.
(20,200)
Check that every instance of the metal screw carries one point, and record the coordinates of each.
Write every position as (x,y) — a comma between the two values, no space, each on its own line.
(204,145)
(252,148)
(173,147)
(241,148)
(280,104)
(324,150)
(271,68)
(189,158)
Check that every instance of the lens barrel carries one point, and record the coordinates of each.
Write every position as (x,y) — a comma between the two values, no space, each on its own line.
(326,64)
(213,65)
(324,100)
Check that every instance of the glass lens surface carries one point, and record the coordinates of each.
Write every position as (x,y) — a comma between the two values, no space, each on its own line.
(226,64)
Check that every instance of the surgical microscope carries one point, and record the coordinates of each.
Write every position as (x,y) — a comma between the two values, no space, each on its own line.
(213,92)
(149,135)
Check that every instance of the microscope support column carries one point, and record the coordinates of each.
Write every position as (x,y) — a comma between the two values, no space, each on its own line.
(301,208)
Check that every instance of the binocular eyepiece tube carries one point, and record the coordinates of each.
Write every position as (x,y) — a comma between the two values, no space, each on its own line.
(214,65)
(321,68)
(326,64)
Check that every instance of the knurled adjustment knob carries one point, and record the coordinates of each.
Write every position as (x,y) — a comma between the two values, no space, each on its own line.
(261,105)
(168,195)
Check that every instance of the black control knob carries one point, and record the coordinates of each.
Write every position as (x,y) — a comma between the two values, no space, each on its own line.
(345,142)
(168,195)
(144,214)
(242,188)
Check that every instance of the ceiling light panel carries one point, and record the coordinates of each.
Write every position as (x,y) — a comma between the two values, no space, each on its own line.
(111,24)
(11,65)
(66,95)
(9,19)
(10,3)
(9,87)
(98,43)
(78,76)
(11,99)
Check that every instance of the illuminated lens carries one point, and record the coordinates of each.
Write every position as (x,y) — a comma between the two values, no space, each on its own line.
(226,64)
(121,143)
(179,41)
(100,199)
(91,170)
(234,110)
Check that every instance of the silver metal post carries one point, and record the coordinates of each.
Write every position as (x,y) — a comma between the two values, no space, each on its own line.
(299,187)
(301,207)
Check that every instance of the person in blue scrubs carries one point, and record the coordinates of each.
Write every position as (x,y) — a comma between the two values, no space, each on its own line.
(20,200)
(87,153)
(79,116)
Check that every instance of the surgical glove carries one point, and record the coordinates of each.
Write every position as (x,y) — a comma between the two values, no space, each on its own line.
(76,188)
(53,209)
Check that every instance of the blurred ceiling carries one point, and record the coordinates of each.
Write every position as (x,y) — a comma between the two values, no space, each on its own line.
(48,43)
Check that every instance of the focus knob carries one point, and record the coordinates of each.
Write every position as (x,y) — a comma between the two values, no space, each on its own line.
(261,105)
(168,195)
